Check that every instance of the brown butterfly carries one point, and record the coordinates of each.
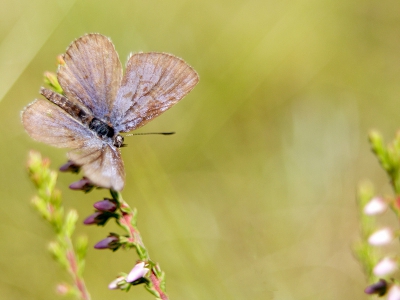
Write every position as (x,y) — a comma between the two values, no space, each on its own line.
(99,103)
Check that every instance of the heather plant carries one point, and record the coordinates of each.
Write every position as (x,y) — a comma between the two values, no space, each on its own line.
(70,254)
(380,263)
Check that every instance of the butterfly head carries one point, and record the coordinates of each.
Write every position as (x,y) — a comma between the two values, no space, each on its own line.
(118,141)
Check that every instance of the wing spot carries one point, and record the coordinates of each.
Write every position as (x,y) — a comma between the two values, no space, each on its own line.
(128,95)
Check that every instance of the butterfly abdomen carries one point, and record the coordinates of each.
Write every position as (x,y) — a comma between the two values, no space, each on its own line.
(71,108)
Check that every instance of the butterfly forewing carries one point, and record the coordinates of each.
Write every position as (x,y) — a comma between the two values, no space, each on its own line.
(153,82)
(92,74)
(47,123)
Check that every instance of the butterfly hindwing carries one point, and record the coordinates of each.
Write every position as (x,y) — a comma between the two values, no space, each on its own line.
(101,163)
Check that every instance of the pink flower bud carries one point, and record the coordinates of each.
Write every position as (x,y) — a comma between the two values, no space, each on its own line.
(63,289)
(69,166)
(385,267)
(137,272)
(99,218)
(82,185)
(375,206)
(110,242)
(379,288)
(106,205)
(381,237)
(92,219)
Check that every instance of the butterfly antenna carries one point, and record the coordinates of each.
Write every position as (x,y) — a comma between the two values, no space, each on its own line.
(147,133)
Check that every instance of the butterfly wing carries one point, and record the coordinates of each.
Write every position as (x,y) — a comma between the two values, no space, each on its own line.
(47,123)
(152,84)
(91,74)
(101,162)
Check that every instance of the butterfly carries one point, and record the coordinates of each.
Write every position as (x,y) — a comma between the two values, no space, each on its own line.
(99,103)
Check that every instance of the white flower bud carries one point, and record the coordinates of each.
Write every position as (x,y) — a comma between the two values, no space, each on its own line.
(381,237)
(114,284)
(375,206)
(394,293)
(385,267)
(137,272)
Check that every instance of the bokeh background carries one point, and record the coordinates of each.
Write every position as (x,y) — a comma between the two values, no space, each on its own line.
(254,197)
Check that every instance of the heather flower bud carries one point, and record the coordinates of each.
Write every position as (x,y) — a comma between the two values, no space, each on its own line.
(394,293)
(50,78)
(99,218)
(69,166)
(381,237)
(106,205)
(137,273)
(385,267)
(60,60)
(82,185)
(379,288)
(375,206)
(92,219)
(63,289)
(110,242)
(114,284)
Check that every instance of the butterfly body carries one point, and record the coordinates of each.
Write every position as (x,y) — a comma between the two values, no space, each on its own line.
(101,128)
(99,103)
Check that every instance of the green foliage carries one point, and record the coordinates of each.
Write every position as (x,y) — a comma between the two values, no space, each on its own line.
(49,205)
(388,156)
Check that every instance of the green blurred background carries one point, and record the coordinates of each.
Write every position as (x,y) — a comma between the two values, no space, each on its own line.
(254,197)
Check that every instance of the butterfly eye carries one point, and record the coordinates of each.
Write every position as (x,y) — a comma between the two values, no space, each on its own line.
(118,141)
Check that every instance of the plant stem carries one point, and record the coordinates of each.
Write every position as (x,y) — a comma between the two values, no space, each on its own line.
(128,222)
(73,270)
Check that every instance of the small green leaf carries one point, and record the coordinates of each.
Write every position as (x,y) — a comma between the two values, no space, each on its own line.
(142,252)
(40,205)
(57,219)
(81,246)
(134,217)
(152,290)
(70,222)
(157,271)
(58,253)
(50,79)
(379,149)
